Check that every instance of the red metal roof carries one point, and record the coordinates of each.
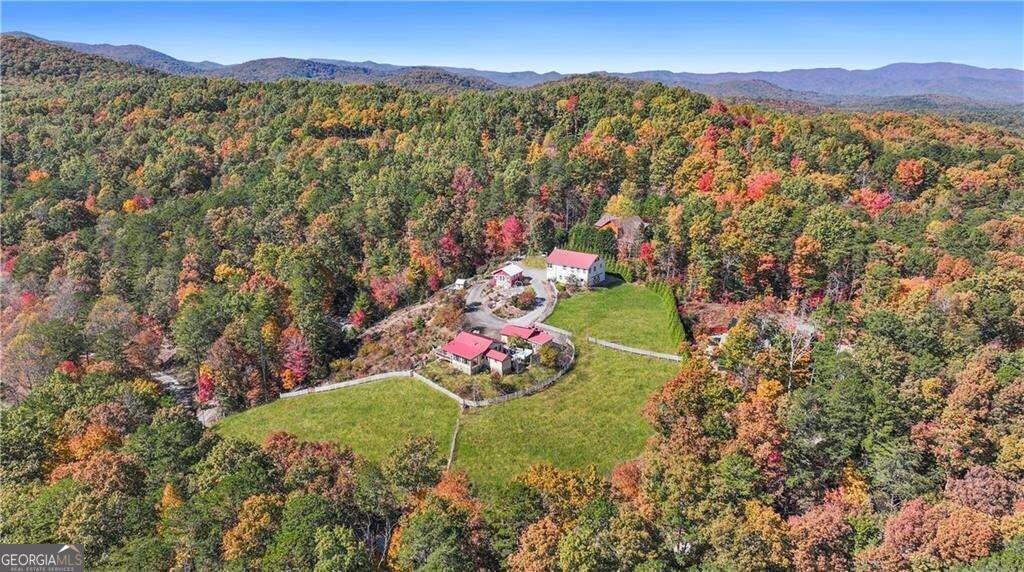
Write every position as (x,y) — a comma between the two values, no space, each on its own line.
(496,355)
(510,270)
(540,338)
(571,258)
(517,331)
(468,345)
(531,334)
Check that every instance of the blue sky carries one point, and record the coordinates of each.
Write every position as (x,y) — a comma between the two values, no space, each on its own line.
(541,36)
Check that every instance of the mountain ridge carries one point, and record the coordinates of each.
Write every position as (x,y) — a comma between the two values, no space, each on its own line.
(828,86)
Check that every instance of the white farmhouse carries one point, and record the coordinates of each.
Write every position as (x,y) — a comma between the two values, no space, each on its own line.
(571,266)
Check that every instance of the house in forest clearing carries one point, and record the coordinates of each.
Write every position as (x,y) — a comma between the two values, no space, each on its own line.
(628,231)
(570,266)
(467,352)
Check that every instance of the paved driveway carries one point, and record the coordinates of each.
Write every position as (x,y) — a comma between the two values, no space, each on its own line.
(545,294)
(479,316)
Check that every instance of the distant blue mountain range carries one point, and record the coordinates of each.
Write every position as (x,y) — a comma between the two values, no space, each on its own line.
(939,83)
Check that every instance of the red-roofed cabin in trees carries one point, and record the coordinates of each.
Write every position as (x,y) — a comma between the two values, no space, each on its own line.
(508,276)
(571,266)
(536,337)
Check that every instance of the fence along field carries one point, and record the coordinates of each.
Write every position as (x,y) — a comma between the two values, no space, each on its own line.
(589,416)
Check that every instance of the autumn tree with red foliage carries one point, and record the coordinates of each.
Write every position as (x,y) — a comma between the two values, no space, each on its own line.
(871,201)
(296,358)
(758,184)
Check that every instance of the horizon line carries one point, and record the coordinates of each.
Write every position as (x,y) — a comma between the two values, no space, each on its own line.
(487,69)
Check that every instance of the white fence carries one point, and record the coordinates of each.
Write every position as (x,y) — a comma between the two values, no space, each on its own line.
(638,351)
(471,403)
(348,383)
(566,333)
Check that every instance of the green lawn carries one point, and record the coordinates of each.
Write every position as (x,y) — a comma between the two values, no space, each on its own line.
(626,314)
(536,261)
(370,418)
(590,417)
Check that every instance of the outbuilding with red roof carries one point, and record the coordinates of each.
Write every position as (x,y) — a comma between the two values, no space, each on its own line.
(508,276)
(499,362)
(533,335)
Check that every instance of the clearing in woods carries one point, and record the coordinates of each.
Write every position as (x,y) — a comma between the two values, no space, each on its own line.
(590,417)
(370,418)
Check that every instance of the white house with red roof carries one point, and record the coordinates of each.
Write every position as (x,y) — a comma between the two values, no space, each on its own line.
(508,276)
(536,337)
(472,353)
(571,266)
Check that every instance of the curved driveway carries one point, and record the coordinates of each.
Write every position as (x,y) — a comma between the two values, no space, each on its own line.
(479,316)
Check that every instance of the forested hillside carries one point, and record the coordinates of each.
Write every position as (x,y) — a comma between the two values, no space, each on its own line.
(244,224)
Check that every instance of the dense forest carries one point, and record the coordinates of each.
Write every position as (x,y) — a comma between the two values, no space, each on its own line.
(253,227)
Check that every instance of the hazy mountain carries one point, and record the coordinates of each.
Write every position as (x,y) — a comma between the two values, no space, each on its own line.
(437,79)
(510,79)
(23,57)
(272,69)
(931,84)
(430,78)
(133,54)
(901,79)
(364,64)
(758,90)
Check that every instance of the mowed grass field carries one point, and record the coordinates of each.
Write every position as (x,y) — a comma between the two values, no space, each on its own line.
(370,418)
(590,417)
(625,314)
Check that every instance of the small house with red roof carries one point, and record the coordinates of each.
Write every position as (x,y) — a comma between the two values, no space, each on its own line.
(534,336)
(508,276)
(499,361)
(467,352)
(571,266)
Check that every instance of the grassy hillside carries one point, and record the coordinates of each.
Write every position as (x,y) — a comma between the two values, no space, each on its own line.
(370,418)
(592,416)
(626,314)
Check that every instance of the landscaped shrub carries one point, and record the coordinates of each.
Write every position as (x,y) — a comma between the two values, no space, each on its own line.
(548,356)
(526,299)
(674,325)
(620,270)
